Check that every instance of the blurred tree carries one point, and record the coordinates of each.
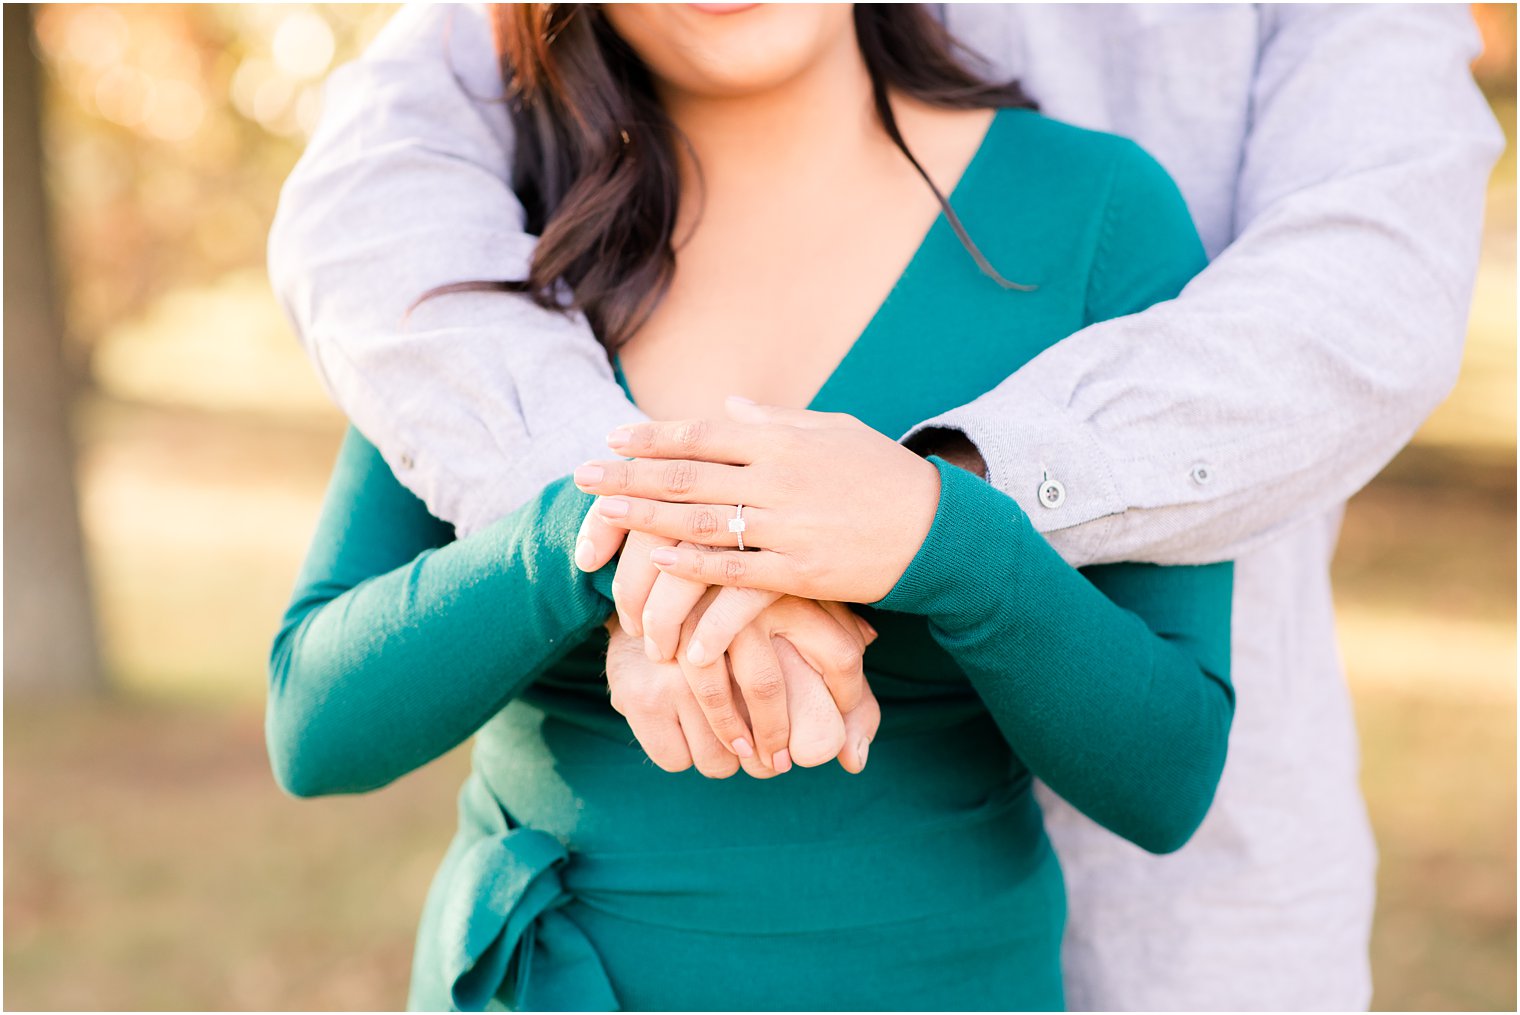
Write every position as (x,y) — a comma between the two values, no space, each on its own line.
(50,633)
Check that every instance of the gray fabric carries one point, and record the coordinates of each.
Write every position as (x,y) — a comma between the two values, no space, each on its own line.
(1335,159)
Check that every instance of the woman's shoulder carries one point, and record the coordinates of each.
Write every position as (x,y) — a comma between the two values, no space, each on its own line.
(1061,158)
(1091,217)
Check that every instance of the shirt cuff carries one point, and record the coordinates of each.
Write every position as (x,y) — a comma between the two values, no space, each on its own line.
(1051,464)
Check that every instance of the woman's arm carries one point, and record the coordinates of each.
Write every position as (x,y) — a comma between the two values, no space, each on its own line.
(1112,685)
(400,642)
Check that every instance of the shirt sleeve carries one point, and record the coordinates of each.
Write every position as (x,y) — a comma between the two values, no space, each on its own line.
(476,400)
(1293,368)
(1112,686)
(399,642)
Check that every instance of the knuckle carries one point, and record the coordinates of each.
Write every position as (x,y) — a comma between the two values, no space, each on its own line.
(680,477)
(645,698)
(733,568)
(623,476)
(669,762)
(765,687)
(691,436)
(846,657)
(719,768)
(617,699)
(703,525)
(712,697)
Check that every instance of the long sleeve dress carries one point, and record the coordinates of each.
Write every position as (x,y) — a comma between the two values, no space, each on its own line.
(582,877)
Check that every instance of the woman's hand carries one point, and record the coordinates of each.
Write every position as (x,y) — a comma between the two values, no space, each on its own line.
(662,710)
(834,509)
(656,607)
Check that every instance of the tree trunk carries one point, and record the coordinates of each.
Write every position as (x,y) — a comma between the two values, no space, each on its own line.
(49,627)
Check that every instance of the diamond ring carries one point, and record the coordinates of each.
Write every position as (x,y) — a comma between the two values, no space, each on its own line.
(736,524)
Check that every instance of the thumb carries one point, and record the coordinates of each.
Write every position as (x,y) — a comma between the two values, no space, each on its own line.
(597,542)
(744,410)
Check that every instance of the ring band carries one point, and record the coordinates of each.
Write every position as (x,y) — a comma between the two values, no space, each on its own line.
(736,524)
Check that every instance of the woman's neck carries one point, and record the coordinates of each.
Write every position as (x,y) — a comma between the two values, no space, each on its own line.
(823,116)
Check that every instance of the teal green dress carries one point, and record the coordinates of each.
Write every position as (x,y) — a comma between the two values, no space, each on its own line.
(583,877)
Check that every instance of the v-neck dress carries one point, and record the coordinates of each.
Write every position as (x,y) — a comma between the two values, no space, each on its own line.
(583,877)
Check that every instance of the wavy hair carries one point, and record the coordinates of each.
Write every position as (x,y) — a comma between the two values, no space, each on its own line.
(595,163)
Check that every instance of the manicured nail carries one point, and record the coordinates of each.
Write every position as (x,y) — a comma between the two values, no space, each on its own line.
(584,552)
(741,399)
(619,438)
(743,749)
(613,507)
(651,649)
(665,556)
(589,475)
(696,654)
(782,762)
(863,749)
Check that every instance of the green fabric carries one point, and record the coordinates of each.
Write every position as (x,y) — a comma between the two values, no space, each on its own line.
(582,876)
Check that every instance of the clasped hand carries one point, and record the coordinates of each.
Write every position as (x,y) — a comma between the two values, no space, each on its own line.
(834,512)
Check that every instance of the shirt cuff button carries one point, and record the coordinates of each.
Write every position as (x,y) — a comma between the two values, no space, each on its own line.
(1201,474)
(1052,493)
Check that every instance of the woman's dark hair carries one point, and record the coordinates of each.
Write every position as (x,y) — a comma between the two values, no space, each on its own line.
(595,162)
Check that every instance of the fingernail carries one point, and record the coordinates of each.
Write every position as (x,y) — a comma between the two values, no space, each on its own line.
(696,654)
(863,750)
(782,762)
(666,556)
(651,649)
(589,475)
(743,749)
(619,439)
(613,507)
(584,552)
(741,399)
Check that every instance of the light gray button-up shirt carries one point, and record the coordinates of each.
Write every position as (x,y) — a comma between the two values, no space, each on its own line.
(1335,161)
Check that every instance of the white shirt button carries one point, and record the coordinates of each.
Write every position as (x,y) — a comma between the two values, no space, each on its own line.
(1052,493)
(1201,474)
(405,461)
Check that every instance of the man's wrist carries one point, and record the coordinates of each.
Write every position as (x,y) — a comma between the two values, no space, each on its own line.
(951,445)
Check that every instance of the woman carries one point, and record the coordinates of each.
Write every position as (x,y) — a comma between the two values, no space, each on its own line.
(727,196)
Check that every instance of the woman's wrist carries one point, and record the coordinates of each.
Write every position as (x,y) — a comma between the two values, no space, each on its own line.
(964,568)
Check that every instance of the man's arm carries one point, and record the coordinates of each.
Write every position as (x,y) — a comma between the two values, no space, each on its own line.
(475,400)
(1297,364)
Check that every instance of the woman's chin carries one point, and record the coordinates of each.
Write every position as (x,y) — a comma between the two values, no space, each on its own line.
(731,50)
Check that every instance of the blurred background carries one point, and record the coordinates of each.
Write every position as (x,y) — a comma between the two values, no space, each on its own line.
(175,446)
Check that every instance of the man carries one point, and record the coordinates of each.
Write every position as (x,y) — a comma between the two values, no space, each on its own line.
(1334,160)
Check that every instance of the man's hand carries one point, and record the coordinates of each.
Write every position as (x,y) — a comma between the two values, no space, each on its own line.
(669,723)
